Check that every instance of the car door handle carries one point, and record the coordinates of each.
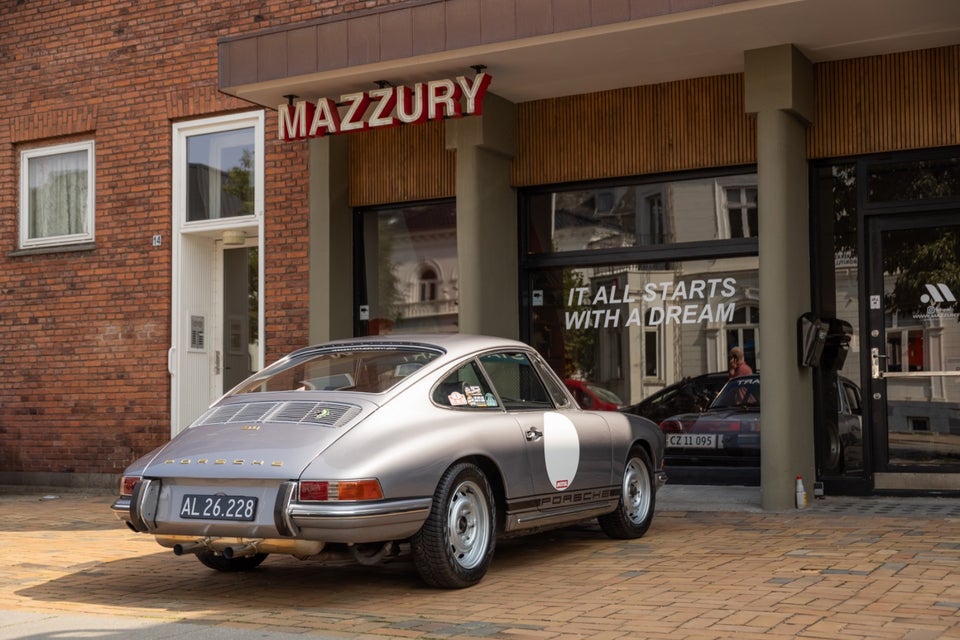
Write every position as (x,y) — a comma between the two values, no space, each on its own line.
(533,434)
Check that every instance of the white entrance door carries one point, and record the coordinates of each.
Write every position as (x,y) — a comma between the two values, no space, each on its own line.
(217,315)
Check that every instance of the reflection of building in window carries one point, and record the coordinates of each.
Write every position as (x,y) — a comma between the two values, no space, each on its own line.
(743,332)
(650,227)
(651,347)
(905,344)
(428,284)
(740,205)
(410,268)
(611,355)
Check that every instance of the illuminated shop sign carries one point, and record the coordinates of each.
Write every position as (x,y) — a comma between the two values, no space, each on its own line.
(384,107)
(690,302)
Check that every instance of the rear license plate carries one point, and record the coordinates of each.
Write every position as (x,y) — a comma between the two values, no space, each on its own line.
(695,440)
(206,507)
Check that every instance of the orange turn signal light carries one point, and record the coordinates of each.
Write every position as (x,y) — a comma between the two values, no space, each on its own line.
(360,490)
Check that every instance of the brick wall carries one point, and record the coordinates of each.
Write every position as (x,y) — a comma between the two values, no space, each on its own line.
(84,334)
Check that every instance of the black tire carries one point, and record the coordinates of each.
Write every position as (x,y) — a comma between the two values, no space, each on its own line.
(832,451)
(455,546)
(218,562)
(638,497)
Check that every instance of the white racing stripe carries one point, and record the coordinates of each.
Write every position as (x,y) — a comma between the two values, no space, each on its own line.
(561,449)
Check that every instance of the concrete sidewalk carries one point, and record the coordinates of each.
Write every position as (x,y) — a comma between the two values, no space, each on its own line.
(713,565)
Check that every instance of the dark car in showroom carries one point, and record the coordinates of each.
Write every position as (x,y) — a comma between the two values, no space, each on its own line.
(727,433)
(692,394)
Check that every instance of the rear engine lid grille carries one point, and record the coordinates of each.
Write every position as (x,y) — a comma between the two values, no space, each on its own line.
(327,414)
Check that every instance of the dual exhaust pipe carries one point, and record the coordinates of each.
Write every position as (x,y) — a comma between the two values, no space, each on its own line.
(204,544)
(240,547)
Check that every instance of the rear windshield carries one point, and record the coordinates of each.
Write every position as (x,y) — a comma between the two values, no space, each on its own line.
(364,370)
(740,392)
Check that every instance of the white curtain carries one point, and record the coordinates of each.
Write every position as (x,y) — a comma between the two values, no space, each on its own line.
(58,194)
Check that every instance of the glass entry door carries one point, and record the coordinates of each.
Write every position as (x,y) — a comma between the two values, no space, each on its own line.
(914,342)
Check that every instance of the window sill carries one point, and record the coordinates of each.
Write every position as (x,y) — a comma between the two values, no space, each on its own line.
(62,248)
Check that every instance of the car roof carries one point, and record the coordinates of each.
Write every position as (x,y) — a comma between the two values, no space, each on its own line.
(453,344)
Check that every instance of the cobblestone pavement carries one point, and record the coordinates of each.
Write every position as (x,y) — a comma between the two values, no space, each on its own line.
(842,568)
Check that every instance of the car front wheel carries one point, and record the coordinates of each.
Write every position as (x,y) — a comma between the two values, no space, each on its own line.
(634,512)
(454,547)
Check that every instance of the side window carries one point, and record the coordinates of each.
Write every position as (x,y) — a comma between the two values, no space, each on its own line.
(554,387)
(516,381)
(466,388)
(57,195)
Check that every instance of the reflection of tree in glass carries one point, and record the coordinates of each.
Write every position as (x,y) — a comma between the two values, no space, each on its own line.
(390,295)
(845,210)
(921,257)
(239,183)
(918,257)
(580,345)
(253,293)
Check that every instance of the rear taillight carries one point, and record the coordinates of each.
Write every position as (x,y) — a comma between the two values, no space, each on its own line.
(127,483)
(352,490)
(314,491)
(671,426)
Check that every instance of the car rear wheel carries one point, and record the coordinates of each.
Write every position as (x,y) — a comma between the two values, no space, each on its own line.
(454,547)
(832,450)
(634,513)
(221,563)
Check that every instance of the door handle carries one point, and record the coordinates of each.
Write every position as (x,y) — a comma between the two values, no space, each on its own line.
(875,357)
(533,434)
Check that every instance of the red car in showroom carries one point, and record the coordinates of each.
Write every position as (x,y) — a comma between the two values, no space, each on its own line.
(592,396)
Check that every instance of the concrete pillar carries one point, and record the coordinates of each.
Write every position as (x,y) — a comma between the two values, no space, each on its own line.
(779,90)
(331,241)
(486,219)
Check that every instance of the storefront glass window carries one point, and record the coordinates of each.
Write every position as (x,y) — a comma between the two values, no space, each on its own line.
(638,291)
(890,227)
(923,180)
(634,331)
(409,272)
(642,215)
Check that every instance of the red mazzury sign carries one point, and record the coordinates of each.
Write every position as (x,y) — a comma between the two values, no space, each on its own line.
(384,107)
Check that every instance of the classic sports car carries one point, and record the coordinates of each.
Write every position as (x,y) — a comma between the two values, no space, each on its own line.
(374,447)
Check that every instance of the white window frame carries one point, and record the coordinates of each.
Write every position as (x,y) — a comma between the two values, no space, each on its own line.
(221,124)
(723,209)
(26,242)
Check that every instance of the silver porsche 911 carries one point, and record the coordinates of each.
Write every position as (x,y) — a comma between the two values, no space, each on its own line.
(367,449)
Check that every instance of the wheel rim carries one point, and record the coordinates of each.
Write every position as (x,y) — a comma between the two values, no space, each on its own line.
(468,525)
(833,460)
(637,490)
